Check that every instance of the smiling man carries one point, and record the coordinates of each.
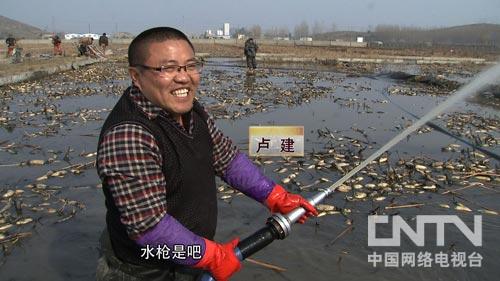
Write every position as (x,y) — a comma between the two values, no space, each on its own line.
(158,154)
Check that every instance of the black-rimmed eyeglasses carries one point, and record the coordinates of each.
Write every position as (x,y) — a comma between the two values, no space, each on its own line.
(191,68)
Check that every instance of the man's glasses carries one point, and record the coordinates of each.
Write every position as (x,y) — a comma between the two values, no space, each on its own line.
(191,68)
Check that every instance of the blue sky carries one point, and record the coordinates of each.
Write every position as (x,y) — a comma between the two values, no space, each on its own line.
(195,16)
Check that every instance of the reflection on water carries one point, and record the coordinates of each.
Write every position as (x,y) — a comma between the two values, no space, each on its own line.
(350,114)
(249,86)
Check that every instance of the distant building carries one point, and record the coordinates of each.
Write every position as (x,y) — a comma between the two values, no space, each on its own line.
(360,39)
(226,31)
(223,33)
(376,43)
(122,35)
(283,38)
(91,35)
(308,39)
(70,36)
(47,36)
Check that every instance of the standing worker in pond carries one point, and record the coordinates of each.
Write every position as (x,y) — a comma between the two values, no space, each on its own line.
(56,41)
(11,45)
(250,51)
(103,43)
(158,154)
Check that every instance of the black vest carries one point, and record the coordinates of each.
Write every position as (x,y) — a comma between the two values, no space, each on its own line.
(189,174)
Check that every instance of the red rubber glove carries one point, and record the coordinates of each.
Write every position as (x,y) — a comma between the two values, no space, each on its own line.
(220,259)
(280,201)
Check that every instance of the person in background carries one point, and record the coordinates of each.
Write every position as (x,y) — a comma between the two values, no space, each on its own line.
(56,41)
(83,46)
(103,43)
(11,45)
(158,154)
(250,51)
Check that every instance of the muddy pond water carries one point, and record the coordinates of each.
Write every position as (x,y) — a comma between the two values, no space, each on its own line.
(346,118)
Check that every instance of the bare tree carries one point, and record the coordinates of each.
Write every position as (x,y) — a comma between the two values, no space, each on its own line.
(333,27)
(301,30)
(388,32)
(256,31)
(271,32)
(274,32)
(318,28)
(283,31)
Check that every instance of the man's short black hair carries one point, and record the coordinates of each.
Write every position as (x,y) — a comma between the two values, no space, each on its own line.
(137,51)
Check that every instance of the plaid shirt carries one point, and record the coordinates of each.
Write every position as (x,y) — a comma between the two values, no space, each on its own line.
(131,163)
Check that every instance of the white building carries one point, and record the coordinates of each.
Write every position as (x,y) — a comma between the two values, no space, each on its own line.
(70,36)
(223,33)
(92,35)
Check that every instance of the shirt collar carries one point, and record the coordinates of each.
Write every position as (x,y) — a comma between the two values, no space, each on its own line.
(144,104)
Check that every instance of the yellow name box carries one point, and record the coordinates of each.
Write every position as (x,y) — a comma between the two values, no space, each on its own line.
(276,140)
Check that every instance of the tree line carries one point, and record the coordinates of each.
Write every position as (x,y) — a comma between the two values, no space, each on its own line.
(473,34)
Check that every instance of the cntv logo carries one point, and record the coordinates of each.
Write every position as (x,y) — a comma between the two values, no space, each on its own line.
(418,236)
